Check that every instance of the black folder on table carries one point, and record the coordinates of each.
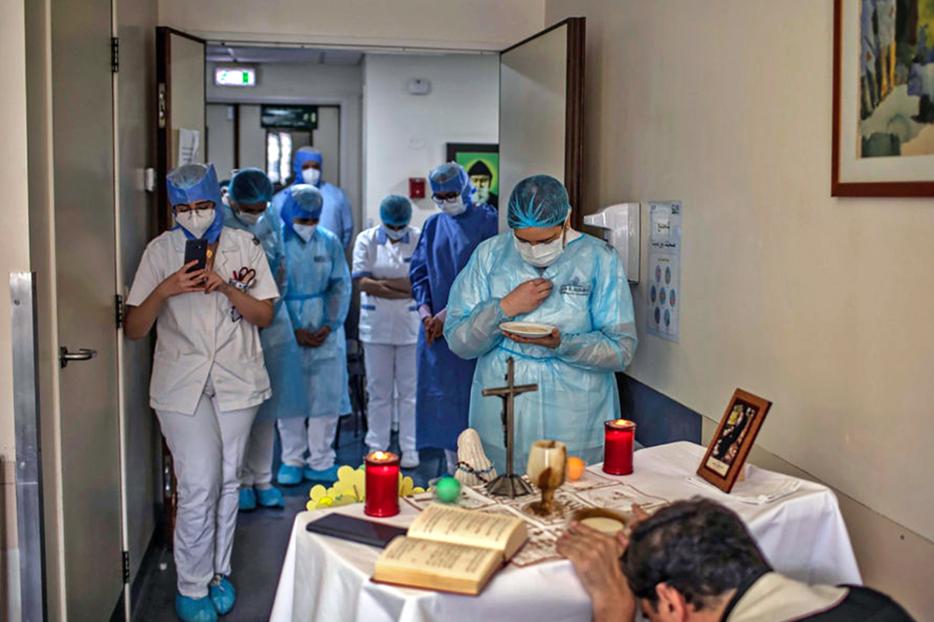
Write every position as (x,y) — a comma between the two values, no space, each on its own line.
(355,529)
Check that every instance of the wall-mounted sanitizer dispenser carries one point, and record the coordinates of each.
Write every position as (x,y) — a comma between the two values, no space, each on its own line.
(620,227)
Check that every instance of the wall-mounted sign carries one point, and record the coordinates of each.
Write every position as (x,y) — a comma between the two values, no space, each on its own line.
(235,76)
(289,117)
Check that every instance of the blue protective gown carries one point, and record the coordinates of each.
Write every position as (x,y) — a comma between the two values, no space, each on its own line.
(281,352)
(317,294)
(443,388)
(592,307)
(336,216)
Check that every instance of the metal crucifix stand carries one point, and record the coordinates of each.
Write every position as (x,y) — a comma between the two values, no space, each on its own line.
(509,484)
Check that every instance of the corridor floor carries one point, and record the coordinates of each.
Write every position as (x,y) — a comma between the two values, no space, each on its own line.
(259,548)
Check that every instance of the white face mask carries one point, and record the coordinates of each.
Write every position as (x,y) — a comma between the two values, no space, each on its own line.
(304,231)
(451,207)
(248,218)
(394,235)
(311,176)
(196,222)
(540,255)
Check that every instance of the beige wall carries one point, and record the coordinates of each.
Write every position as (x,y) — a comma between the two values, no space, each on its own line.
(468,24)
(821,305)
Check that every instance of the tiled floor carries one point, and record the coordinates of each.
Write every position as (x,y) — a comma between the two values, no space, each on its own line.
(262,538)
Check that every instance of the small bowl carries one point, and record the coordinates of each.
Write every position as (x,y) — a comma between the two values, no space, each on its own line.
(583,514)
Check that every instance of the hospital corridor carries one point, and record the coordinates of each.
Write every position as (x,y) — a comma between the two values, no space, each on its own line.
(366,311)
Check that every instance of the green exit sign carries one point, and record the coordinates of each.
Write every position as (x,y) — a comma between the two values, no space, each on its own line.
(235,76)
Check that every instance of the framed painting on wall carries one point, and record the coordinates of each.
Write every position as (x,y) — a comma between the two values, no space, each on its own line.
(883,98)
(481,161)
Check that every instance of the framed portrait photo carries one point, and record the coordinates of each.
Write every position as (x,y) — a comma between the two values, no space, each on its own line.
(883,98)
(733,439)
(481,161)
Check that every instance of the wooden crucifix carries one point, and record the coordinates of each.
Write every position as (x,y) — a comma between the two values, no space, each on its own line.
(509,484)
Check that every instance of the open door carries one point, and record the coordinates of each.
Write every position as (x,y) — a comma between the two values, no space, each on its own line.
(181,107)
(541,122)
(181,118)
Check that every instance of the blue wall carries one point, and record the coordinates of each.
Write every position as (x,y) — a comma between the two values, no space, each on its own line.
(659,419)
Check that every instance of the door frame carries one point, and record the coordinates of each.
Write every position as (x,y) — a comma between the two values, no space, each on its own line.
(574,110)
(163,114)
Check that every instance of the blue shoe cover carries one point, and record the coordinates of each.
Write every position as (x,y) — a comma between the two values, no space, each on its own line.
(289,475)
(222,594)
(270,497)
(195,609)
(324,475)
(247,499)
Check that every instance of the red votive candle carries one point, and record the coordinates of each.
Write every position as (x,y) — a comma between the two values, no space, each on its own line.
(618,437)
(382,484)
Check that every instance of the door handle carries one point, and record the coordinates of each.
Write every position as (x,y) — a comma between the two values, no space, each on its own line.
(83,354)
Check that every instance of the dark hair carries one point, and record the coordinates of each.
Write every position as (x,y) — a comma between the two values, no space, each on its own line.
(479,168)
(698,547)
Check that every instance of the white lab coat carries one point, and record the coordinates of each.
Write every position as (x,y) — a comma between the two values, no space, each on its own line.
(384,321)
(193,344)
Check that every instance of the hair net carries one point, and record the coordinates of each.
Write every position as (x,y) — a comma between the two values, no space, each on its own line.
(193,182)
(451,177)
(302,201)
(538,201)
(197,182)
(304,154)
(250,186)
(395,210)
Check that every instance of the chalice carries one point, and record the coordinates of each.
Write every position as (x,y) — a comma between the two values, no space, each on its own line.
(546,469)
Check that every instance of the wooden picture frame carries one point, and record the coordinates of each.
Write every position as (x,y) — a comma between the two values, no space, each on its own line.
(853,173)
(730,445)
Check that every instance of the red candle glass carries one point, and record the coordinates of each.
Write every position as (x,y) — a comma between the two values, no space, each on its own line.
(382,484)
(618,437)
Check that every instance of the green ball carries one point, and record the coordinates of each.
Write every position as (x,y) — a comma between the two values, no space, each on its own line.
(447,490)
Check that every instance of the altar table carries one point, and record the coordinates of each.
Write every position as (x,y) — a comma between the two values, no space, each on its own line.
(327,579)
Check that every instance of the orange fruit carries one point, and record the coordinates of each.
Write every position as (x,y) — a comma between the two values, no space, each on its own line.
(575,468)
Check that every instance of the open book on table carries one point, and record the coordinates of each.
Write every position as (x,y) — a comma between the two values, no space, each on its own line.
(451,550)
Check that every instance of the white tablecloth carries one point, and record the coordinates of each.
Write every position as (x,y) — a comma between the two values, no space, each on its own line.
(327,579)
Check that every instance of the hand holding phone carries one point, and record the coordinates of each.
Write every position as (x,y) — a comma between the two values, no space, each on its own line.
(197,251)
(186,280)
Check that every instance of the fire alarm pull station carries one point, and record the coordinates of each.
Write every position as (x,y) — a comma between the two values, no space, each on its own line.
(416,187)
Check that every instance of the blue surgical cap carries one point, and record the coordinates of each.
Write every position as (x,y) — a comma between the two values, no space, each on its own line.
(304,154)
(538,201)
(451,177)
(302,201)
(250,186)
(395,210)
(196,182)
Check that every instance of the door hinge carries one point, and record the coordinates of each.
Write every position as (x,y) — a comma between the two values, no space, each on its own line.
(126,566)
(114,54)
(119,311)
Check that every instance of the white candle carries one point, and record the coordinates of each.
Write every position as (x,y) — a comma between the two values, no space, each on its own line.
(602,523)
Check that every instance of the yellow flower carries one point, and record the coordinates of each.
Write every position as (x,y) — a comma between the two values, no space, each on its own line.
(407,487)
(350,483)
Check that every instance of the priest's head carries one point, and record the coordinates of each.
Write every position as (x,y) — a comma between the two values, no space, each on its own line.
(690,556)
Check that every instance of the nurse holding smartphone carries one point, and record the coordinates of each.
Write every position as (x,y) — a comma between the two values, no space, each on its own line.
(208,377)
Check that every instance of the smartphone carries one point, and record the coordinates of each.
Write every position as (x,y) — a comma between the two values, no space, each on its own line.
(196,250)
(356,529)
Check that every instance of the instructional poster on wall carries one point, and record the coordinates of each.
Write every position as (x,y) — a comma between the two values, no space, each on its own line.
(664,299)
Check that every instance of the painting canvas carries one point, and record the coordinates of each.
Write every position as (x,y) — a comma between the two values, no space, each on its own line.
(883,98)
(896,78)
(481,161)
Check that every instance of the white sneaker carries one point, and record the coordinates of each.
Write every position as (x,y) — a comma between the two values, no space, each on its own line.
(409,460)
